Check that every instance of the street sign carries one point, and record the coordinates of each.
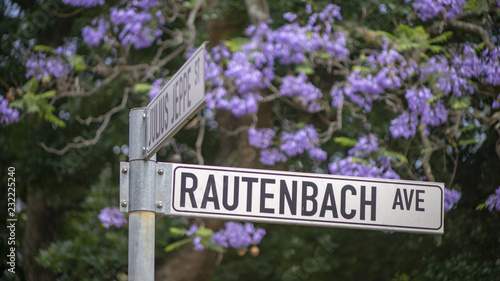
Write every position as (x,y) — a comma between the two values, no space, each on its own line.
(301,198)
(179,100)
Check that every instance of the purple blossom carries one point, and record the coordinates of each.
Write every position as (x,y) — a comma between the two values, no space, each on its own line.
(295,143)
(84,3)
(493,202)
(238,235)
(145,4)
(92,35)
(433,114)
(261,138)
(290,16)
(364,146)
(41,66)
(197,243)
(134,27)
(7,115)
(271,156)
(306,92)
(112,216)
(405,125)
(495,104)
(246,76)
(430,9)
(354,167)
(156,88)
(192,229)
(240,106)
(451,198)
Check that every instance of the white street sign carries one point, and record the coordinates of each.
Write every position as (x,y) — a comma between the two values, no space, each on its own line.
(301,198)
(177,102)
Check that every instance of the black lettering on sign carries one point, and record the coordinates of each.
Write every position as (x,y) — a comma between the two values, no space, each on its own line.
(343,201)
(235,195)
(329,202)
(311,198)
(291,199)
(371,203)
(408,199)
(206,196)
(264,195)
(190,190)
(417,207)
(250,182)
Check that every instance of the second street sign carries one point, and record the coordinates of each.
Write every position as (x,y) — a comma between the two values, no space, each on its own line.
(302,198)
(180,99)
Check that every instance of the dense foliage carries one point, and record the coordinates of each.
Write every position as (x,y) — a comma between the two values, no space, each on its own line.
(398,90)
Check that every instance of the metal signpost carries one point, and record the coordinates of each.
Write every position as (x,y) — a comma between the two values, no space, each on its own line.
(148,187)
(149,129)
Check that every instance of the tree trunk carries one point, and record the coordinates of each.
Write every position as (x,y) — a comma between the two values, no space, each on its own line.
(38,236)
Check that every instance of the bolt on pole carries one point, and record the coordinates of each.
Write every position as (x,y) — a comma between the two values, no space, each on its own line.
(141,204)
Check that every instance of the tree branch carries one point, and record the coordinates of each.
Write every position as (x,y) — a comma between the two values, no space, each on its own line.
(80,142)
(427,152)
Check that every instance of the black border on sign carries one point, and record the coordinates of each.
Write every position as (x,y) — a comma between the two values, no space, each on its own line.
(305,175)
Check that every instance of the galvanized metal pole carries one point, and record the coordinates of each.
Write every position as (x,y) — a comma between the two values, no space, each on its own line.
(141,240)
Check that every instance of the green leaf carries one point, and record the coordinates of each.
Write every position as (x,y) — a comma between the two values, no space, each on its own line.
(178,244)
(359,160)
(398,156)
(304,68)
(345,141)
(78,62)
(235,44)
(212,246)
(204,232)
(177,231)
(462,103)
(46,95)
(481,207)
(142,88)
(435,98)
(31,85)
(44,48)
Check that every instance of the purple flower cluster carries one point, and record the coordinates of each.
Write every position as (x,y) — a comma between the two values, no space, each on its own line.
(237,235)
(261,138)
(112,216)
(351,166)
(292,143)
(251,68)
(364,147)
(306,92)
(430,9)
(41,66)
(133,24)
(362,87)
(451,198)
(433,114)
(198,246)
(157,86)
(94,34)
(84,3)
(7,115)
(493,202)
(405,125)
(247,77)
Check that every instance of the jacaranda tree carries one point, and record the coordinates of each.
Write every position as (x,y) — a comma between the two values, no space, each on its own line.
(399,90)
